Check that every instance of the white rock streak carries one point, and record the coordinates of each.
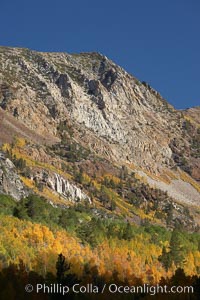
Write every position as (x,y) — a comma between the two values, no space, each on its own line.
(68,190)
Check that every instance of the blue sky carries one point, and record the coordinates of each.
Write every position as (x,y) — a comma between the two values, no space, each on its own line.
(158,41)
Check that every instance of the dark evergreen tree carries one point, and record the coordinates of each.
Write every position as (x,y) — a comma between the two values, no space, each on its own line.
(165,259)
(128,234)
(62,267)
(176,249)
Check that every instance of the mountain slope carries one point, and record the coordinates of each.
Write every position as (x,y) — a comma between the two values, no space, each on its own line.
(107,122)
(129,119)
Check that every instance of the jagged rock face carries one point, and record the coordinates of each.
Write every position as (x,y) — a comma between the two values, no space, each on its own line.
(66,189)
(123,119)
(62,186)
(10,182)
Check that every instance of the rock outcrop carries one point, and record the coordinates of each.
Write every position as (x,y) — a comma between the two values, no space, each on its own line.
(67,189)
(62,186)
(10,182)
